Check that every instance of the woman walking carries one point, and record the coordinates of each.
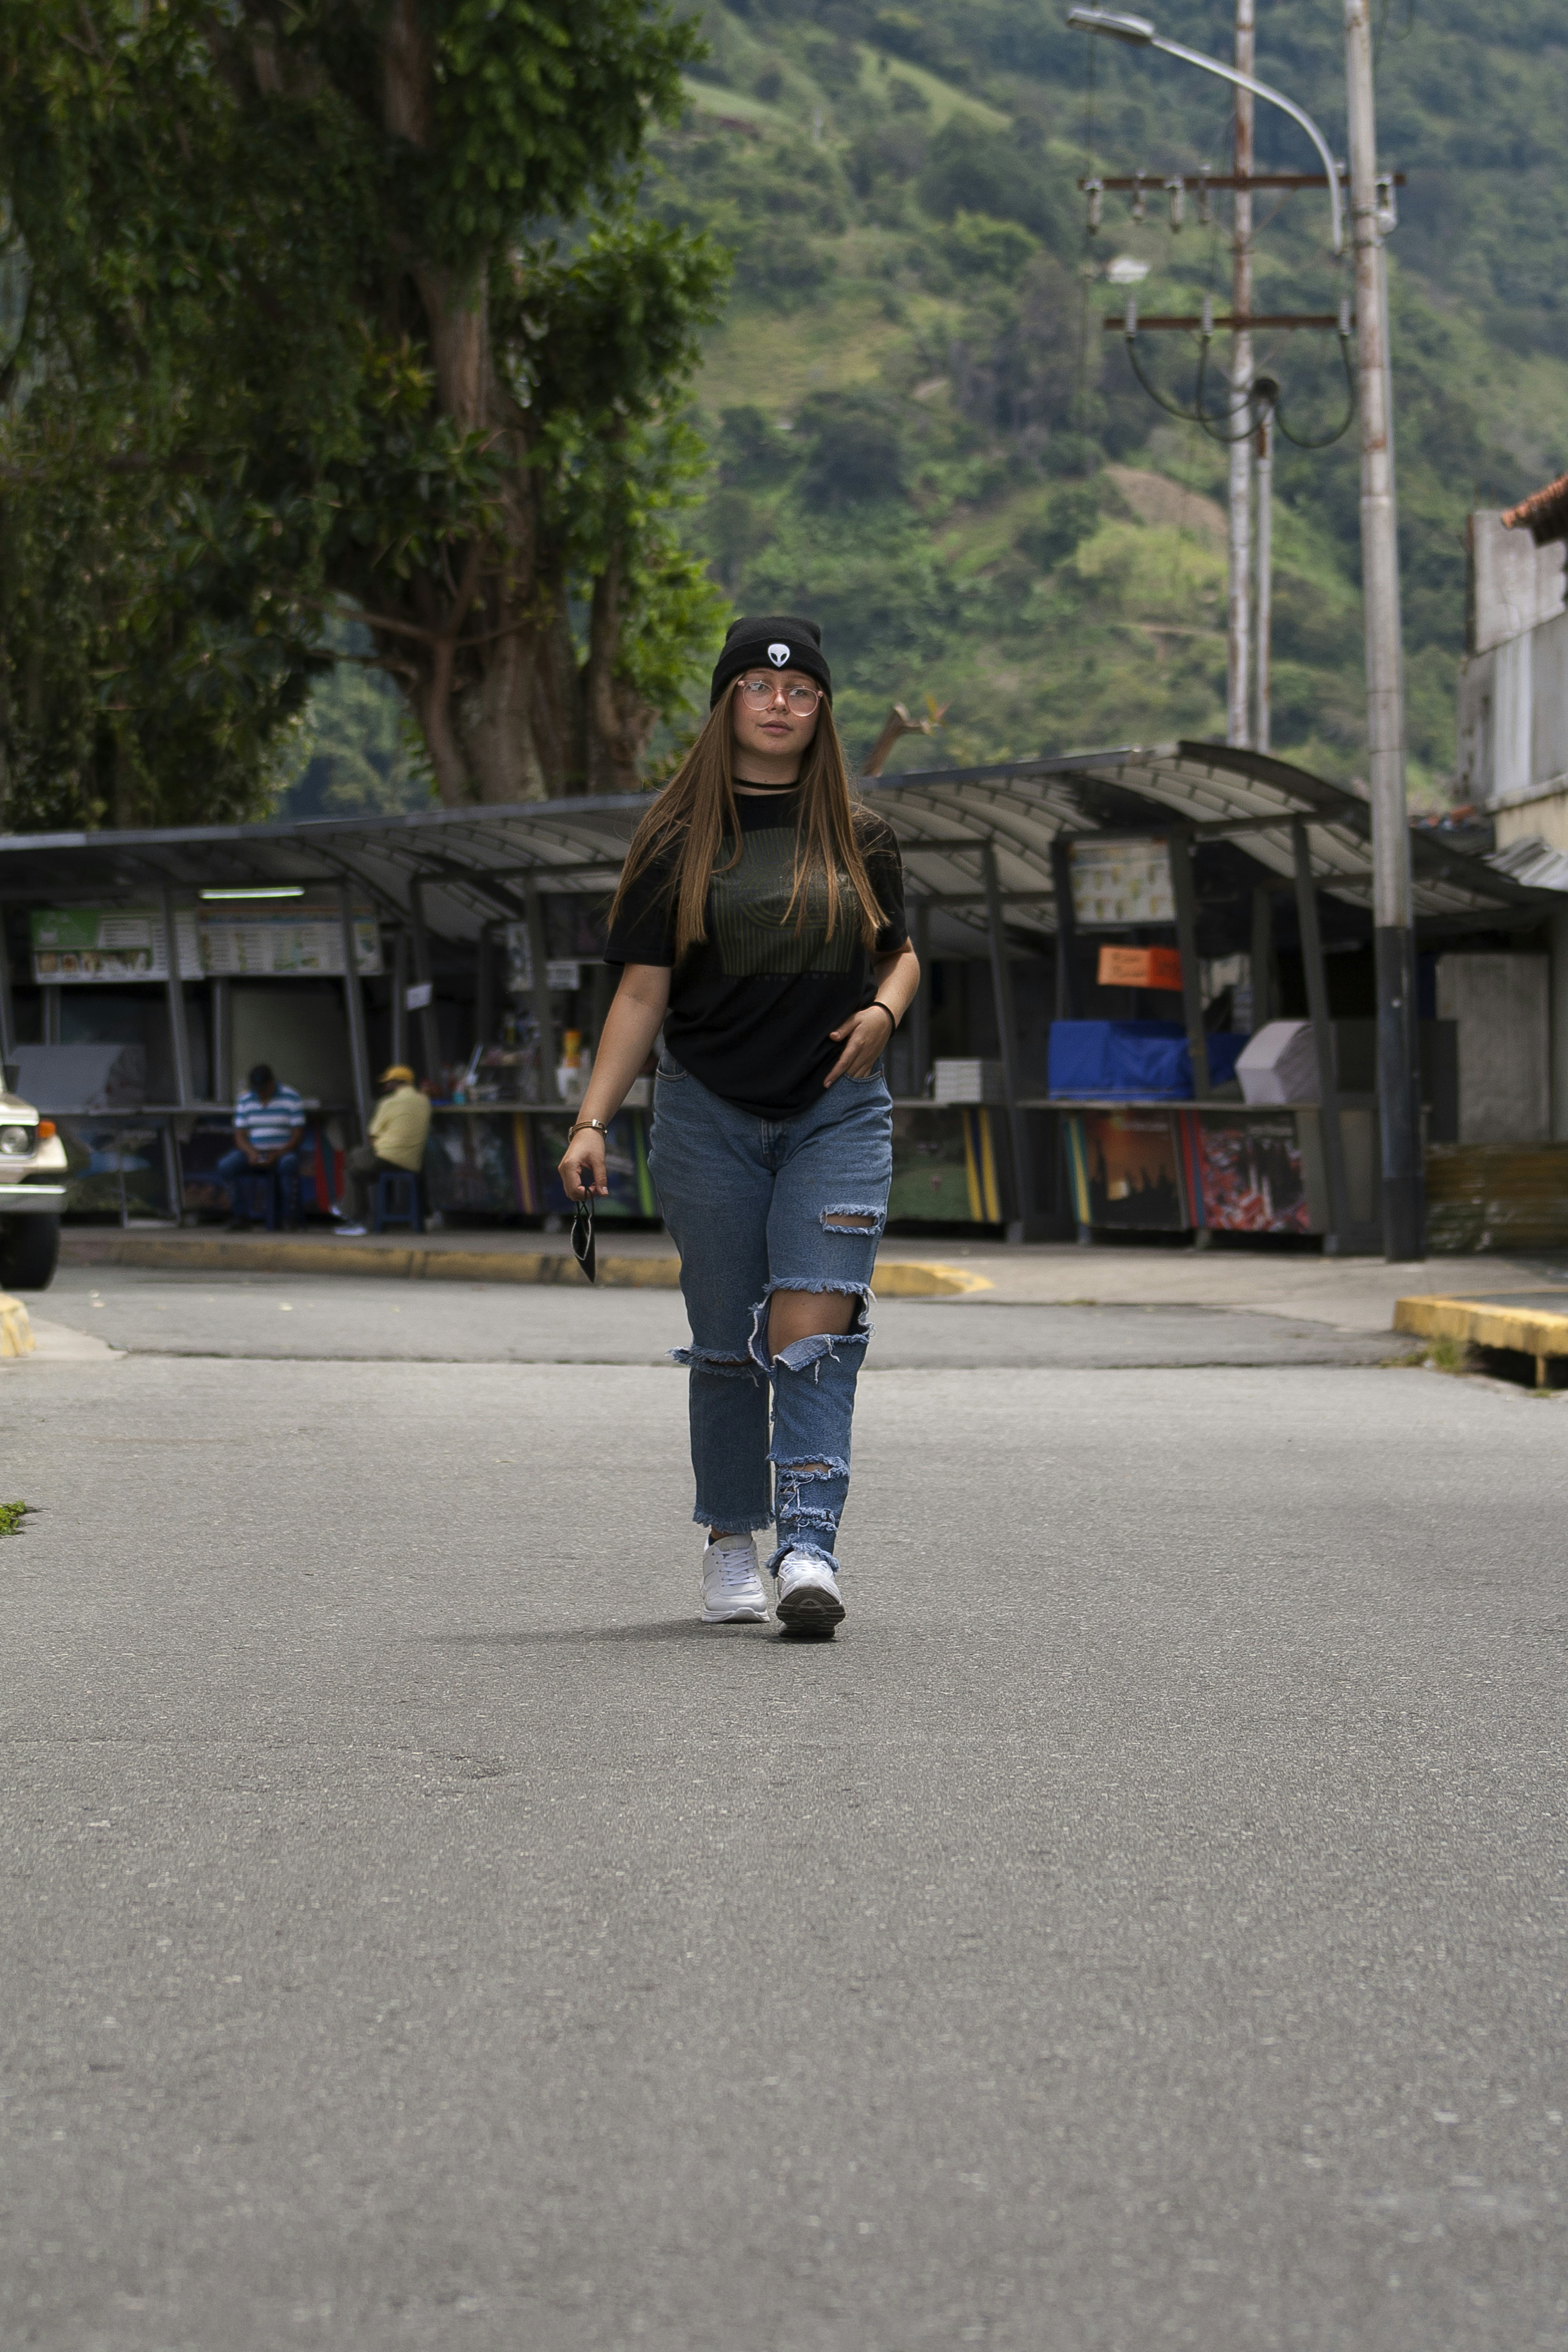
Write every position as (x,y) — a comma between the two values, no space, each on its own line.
(760,920)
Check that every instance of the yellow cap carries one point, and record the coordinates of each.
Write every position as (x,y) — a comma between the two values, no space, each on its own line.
(398,1070)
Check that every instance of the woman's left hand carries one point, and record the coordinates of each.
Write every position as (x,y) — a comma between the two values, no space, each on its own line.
(864,1037)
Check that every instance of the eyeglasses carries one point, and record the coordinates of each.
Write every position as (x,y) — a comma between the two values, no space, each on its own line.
(800,700)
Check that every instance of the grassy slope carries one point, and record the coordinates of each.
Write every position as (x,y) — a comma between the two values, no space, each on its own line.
(851,294)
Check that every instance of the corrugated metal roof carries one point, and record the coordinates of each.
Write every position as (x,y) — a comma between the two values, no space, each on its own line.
(472,864)
(1544,514)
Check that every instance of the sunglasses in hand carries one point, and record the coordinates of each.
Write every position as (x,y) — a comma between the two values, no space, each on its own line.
(583,1237)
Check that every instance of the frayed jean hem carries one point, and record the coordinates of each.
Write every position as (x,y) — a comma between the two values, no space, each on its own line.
(732,1523)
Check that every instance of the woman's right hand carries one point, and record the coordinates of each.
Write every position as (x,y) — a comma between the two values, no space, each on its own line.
(583,1168)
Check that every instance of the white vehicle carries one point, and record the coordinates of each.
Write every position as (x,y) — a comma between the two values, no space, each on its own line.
(32,1194)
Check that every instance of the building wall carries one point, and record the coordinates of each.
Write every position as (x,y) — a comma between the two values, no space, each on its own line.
(300,1027)
(1501,1004)
(1541,816)
(1513,683)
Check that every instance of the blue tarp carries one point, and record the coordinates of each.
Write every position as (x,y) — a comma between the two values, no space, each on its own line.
(1126,1061)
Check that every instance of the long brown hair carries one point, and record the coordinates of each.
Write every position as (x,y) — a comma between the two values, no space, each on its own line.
(695,810)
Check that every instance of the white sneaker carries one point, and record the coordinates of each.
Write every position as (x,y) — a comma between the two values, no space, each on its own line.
(731,1589)
(350,1232)
(809,1601)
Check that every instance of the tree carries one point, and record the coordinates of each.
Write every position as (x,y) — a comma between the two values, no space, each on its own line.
(336,307)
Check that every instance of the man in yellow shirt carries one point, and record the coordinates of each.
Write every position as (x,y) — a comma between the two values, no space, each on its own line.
(397,1146)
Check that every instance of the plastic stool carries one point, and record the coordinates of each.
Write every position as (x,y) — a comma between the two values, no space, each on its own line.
(244,1186)
(388,1212)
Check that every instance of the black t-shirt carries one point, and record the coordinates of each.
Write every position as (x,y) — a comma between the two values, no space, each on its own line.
(752,1006)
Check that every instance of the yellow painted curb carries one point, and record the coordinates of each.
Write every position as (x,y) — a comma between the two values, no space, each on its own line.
(905,1277)
(1526,1330)
(895,1278)
(15,1331)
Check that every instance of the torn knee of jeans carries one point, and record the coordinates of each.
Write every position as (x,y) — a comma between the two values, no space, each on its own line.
(802,1354)
(821,1465)
(853,1219)
(708,1360)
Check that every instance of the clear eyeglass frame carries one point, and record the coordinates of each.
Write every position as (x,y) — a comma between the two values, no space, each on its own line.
(800,700)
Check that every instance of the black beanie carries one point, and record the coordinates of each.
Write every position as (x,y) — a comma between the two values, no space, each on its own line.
(779,643)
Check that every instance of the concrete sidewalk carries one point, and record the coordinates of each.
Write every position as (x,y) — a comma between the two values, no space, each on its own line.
(1346,1294)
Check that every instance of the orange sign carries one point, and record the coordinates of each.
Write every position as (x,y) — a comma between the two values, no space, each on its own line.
(1141,968)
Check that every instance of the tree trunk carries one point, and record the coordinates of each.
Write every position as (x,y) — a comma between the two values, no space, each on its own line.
(619,721)
(488,662)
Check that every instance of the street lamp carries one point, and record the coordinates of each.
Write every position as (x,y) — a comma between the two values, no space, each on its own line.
(1140,35)
(1393,933)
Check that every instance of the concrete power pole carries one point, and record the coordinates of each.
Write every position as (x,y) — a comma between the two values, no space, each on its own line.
(1398,1077)
(1239,617)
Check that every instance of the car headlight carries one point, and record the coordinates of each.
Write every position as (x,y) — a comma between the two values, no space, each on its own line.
(16,1141)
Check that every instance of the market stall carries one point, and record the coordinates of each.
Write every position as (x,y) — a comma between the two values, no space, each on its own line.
(467,943)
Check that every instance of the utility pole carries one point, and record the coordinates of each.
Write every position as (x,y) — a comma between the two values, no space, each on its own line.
(1263,559)
(1393,936)
(1238,620)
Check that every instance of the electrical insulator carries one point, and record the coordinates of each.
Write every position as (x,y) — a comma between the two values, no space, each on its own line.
(1094,190)
(1177,191)
(1139,209)
(1346,327)
(1205,210)
(1386,208)
(1208,319)
(1129,317)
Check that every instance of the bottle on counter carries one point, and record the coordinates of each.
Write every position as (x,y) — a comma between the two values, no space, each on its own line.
(575,1063)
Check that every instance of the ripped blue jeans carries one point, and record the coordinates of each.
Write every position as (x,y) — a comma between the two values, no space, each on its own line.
(754,1205)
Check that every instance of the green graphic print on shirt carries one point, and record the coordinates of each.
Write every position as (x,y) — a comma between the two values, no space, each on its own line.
(753,927)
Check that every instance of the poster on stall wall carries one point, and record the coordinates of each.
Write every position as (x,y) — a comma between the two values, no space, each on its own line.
(1116,883)
(1126,1170)
(109,944)
(561,971)
(1250,1173)
(292,938)
(297,938)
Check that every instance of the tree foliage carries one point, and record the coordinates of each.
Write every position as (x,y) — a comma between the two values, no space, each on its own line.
(321,306)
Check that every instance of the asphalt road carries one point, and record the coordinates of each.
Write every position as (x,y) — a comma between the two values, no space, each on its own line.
(372,1318)
(1142,1926)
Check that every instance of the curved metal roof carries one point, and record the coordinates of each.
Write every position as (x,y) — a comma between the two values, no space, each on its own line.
(472,865)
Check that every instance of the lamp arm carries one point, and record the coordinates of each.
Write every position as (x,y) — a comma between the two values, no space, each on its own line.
(1275,98)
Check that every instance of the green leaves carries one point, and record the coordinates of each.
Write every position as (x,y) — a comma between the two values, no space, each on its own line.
(324,303)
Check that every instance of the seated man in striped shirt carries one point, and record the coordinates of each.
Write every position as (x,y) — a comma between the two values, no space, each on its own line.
(269,1121)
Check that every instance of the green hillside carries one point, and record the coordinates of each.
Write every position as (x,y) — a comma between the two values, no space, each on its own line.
(922,438)
(922,435)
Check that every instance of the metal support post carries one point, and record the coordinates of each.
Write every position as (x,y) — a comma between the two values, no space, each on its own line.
(1404,1208)
(920,1010)
(1239,601)
(1182,890)
(7,1010)
(1263,575)
(1070,1001)
(1322,1037)
(222,1042)
(1265,995)
(179,1035)
(485,986)
(1008,1030)
(173,1176)
(429,1027)
(543,1011)
(400,995)
(51,1009)
(354,1000)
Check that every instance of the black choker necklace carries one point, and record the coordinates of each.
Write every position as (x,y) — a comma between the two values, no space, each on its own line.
(746,785)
